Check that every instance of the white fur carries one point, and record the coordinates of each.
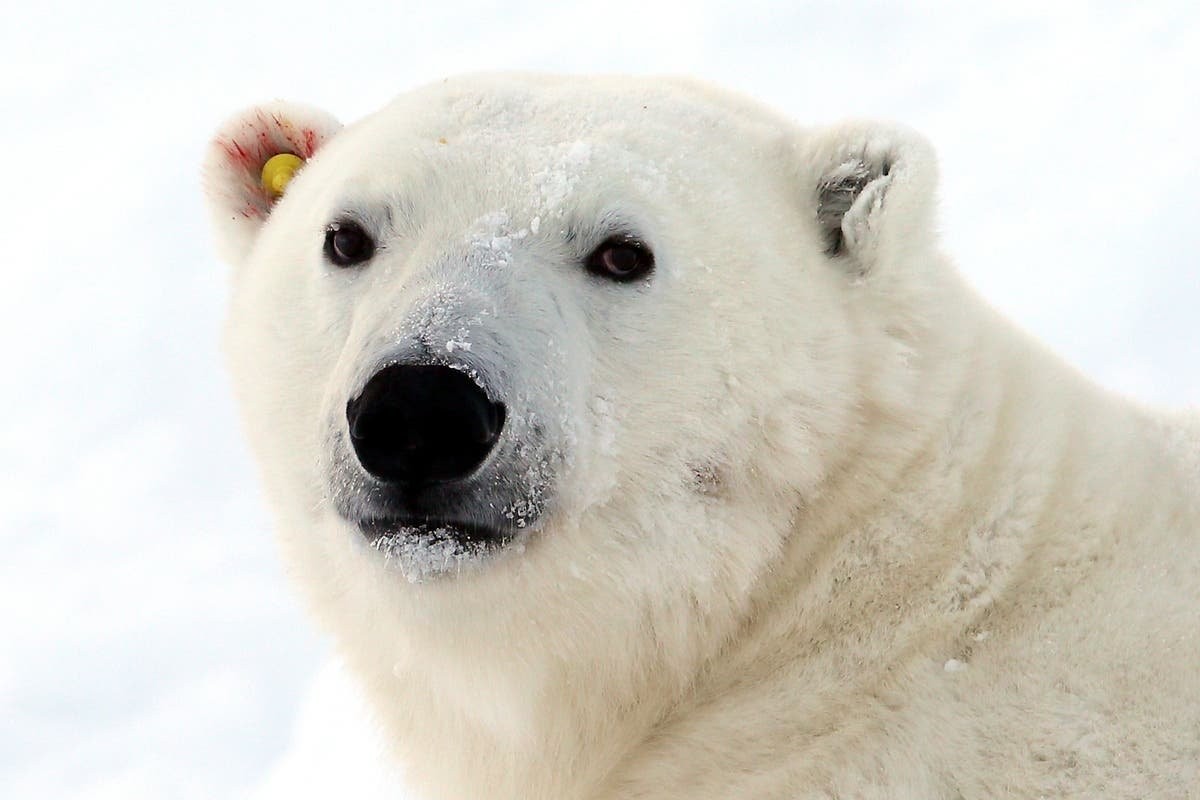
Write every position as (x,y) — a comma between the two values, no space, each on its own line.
(814,524)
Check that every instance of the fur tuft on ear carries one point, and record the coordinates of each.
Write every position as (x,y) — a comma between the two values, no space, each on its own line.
(238,202)
(874,189)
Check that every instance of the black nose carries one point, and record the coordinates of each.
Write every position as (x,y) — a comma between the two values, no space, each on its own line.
(418,424)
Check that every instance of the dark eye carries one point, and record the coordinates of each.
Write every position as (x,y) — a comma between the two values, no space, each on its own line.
(621,259)
(347,244)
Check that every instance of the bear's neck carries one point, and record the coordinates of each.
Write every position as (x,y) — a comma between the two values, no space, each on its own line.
(903,557)
(980,520)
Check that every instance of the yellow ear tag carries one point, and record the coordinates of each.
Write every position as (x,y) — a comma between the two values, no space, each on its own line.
(278,171)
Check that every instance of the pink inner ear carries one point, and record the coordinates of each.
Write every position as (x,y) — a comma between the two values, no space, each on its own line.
(259,137)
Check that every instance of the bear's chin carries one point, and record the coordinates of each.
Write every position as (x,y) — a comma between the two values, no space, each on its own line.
(429,549)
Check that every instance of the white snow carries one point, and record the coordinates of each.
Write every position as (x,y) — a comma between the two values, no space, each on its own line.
(421,555)
(555,183)
(151,647)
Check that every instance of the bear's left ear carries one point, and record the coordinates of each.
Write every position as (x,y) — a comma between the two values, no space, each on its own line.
(873,192)
(240,196)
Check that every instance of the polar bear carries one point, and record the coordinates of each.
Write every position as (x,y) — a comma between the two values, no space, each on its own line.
(636,442)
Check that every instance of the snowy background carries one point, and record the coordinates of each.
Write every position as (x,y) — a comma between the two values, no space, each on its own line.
(151,647)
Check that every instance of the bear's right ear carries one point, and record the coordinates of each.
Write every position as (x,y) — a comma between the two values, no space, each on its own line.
(239,199)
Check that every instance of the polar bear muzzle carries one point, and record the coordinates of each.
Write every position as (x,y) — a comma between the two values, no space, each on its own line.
(435,471)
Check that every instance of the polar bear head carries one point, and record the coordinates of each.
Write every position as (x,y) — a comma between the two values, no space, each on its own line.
(519,347)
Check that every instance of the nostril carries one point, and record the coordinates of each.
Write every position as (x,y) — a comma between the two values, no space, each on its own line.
(416,424)
(489,421)
(490,432)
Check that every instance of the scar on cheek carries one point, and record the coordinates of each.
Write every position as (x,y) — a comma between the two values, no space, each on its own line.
(707,479)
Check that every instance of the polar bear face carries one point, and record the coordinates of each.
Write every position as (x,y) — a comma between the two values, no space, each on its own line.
(530,334)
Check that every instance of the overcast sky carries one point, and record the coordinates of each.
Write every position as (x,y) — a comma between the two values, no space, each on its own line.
(152,647)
